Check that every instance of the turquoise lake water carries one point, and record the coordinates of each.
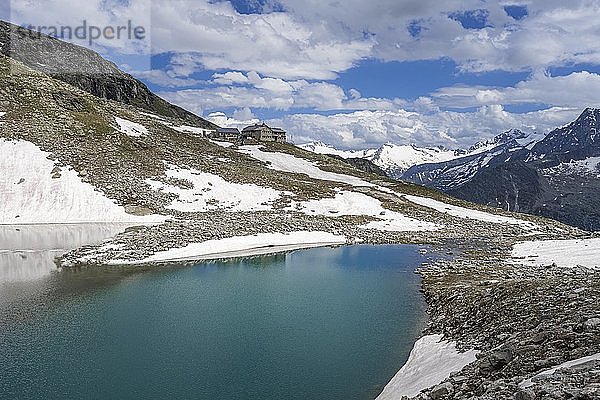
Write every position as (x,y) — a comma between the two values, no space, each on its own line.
(312,324)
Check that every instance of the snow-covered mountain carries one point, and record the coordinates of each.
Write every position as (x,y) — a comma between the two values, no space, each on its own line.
(511,138)
(322,148)
(394,159)
(576,141)
(397,159)
(457,171)
(555,177)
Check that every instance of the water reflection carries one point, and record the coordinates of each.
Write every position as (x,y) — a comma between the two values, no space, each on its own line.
(27,252)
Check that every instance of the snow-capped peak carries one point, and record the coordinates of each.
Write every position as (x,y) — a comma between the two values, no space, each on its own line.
(509,137)
(396,159)
(322,148)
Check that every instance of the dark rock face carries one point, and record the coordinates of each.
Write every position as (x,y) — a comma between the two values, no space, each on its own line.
(536,179)
(576,141)
(361,164)
(454,173)
(516,187)
(86,70)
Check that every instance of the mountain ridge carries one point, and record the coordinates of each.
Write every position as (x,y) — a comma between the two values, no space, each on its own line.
(87,70)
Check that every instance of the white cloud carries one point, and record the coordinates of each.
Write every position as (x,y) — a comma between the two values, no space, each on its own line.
(240,119)
(244,114)
(96,13)
(364,129)
(238,90)
(231,77)
(578,89)
(317,39)
(552,34)
(165,79)
(214,36)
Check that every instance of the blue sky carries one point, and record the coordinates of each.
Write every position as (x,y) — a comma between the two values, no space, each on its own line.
(358,73)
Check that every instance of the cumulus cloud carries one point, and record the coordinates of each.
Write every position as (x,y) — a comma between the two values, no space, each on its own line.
(98,13)
(240,119)
(165,79)
(364,129)
(212,35)
(316,40)
(236,89)
(578,89)
(553,33)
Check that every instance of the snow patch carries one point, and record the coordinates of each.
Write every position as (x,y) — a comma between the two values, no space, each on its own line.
(589,165)
(211,192)
(564,253)
(130,128)
(192,129)
(222,144)
(468,213)
(238,246)
(30,194)
(352,203)
(569,364)
(430,362)
(289,163)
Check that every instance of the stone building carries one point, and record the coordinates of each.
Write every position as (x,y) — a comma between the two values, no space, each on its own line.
(264,133)
(227,134)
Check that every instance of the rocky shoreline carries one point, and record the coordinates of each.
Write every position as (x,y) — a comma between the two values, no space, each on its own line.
(524,320)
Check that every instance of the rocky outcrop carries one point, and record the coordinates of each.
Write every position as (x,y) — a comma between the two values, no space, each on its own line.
(524,321)
(517,187)
(361,164)
(88,71)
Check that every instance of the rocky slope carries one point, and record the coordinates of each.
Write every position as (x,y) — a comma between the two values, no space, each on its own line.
(145,165)
(87,71)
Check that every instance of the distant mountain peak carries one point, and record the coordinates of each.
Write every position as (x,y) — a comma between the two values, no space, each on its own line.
(576,141)
(588,118)
(509,137)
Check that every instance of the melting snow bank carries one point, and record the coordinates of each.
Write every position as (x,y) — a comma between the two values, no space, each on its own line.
(238,246)
(288,163)
(36,191)
(211,192)
(352,203)
(569,364)
(431,361)
(468,213)
(132,129)
(564,253)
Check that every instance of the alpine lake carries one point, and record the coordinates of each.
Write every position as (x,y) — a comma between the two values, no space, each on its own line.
(322,323)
